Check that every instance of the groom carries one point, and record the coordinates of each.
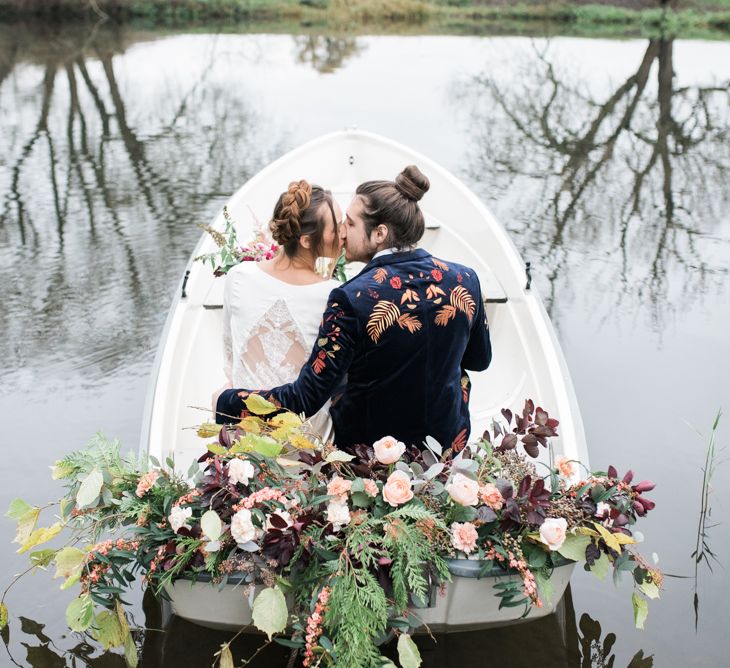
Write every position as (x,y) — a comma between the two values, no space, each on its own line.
(400,335)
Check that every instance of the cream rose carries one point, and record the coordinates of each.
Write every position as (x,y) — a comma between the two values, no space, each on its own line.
(339,487)
(463,490)
(179,518)
(338,513)
(242,528)
(240,471)
(464,536)
(491,496)
(371,488)
(388,450)
(397,489)
(553,531)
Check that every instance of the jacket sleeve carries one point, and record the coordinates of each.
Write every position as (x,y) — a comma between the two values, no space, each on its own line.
(319,377)
(478,353)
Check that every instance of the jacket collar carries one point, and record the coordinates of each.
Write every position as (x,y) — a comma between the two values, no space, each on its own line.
(396,258)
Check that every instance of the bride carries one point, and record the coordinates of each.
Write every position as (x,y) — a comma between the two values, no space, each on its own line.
(272,309)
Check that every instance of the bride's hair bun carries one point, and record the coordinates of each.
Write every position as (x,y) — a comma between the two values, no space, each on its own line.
(286,225)
(412,183)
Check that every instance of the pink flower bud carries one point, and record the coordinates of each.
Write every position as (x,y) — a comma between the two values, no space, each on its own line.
(644,486)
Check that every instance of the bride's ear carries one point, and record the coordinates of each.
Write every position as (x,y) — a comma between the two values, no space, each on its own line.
(305,241)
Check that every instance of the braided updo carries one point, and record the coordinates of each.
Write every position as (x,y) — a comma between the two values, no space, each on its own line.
(395,204)
(299,212)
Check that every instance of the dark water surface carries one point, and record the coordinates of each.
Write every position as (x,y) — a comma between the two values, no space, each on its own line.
(608,161)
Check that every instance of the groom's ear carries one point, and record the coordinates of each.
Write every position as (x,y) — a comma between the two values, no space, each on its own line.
(380,233)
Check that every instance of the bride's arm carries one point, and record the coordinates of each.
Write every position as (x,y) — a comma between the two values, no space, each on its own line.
(320,376)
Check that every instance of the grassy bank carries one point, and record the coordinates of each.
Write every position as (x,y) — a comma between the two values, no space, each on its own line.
(688,18)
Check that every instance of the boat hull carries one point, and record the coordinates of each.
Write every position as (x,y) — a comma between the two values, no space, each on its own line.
(466,603)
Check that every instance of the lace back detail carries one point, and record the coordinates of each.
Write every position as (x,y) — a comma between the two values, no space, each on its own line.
(275,349)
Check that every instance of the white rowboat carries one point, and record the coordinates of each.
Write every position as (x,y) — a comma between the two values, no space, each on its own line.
(527,361)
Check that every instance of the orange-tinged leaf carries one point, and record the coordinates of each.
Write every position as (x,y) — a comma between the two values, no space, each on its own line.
(461,299)
(440,265)
(380,275)
(432,291)
(384,315)
(445,313)
(409,322)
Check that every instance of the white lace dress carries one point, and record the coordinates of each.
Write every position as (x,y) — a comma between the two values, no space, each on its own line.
(269,329)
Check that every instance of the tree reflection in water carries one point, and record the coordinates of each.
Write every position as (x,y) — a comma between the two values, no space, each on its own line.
(101,189)
(634,179)
(555,641)
(326,53)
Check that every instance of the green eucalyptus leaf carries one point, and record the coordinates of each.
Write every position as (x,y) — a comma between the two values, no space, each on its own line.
(641,610)
(574,547)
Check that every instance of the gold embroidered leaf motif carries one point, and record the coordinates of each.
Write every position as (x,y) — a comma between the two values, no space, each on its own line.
(384,315)
(432,291)
(461,299)
(445,313)
(380,274)
(409,322)
(440,265)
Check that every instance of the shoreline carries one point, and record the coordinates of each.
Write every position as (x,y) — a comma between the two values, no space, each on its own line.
(387,16)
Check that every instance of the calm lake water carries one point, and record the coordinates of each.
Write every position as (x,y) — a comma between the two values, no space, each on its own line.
(608,162)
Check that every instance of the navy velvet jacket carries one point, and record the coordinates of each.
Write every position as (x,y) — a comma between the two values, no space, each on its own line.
(396,340)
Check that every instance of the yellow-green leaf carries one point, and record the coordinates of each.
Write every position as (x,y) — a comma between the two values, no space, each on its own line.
(649,589)
(130,649)
(574,547)
(301,442)
(26,524)
(17,509)
(258,405)
(408,653)
(641,610)
(42,535)
(3,616)
(251,424)
(89,489)
(209,429)
(339,456)
(286,419)
(264,445)
(226,657)
(217,449)
(80,613)
(600,567)
(107,631)
(69,561)
(608,536)
(61,470)
(269,612)
(42,558)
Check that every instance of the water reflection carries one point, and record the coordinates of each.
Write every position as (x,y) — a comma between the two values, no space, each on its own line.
(633,177)
(555,641)
(100,188)
(326,53)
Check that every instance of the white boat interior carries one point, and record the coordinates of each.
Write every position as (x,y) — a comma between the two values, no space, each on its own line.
(527,360)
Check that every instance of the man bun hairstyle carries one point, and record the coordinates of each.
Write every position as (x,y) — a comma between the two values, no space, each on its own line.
(395,205)
(299,212)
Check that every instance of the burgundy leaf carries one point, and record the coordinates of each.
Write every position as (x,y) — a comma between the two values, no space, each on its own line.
(541,417)
(507,413)
(508,442)
(612,472)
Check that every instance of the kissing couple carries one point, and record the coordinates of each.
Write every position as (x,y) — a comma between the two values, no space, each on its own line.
(390,354)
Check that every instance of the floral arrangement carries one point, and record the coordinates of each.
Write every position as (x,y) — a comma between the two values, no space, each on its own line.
(355,541)
(230,252)
(261,247)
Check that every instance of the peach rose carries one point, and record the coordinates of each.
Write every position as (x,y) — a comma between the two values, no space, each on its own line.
(491,496)
(371,488)
(565,467)
(397,489)
(464,536)
(339,487)
(463,490)
(553,531)
(388,450)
